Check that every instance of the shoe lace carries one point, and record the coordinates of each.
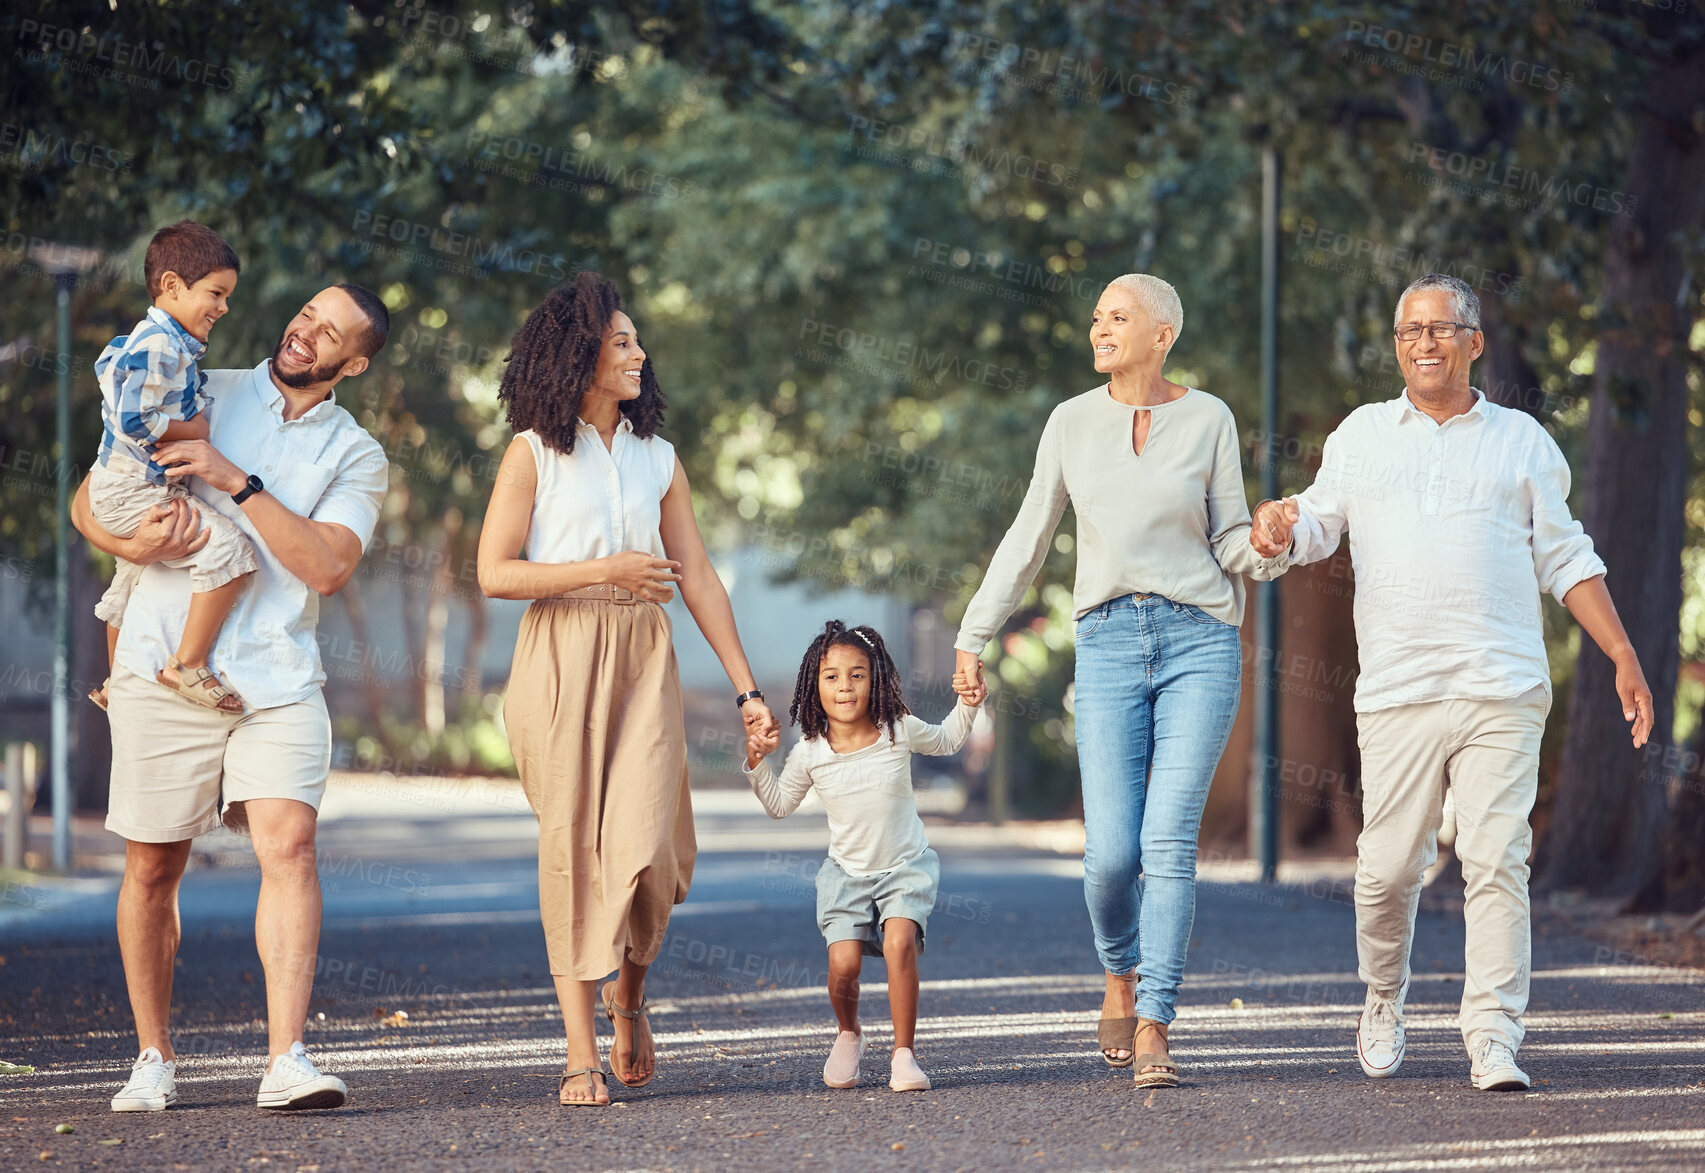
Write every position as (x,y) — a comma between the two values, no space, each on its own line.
(147,1076)
(296,1064)
(1382,1021)
(1494,1053)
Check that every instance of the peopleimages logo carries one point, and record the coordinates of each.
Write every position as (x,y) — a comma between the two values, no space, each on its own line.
(1462,59)
(1504,175)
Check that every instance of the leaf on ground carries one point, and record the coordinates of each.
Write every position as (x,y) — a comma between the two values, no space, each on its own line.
(15,1068)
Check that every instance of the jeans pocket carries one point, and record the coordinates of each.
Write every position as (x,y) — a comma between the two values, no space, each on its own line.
(1090,622)
(1196,614)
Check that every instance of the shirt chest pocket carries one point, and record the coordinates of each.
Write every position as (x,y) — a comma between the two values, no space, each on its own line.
(299,485)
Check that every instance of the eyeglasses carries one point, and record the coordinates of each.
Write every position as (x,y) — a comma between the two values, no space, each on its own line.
(1411,331)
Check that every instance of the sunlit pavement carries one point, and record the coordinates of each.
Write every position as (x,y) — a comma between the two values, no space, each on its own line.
(430,910)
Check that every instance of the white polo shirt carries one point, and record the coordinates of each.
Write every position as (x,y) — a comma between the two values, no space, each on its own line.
(1455,529)
(322,465)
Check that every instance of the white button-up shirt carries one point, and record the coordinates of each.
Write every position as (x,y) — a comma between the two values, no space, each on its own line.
(1455,529)
(597,501)
(321,465)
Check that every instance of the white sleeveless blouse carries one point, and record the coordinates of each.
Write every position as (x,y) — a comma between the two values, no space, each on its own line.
(594,502)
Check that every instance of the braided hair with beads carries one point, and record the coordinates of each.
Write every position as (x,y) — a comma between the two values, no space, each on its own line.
(554,356)
(887,705)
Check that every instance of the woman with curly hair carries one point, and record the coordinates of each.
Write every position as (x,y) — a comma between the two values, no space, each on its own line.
(601,505)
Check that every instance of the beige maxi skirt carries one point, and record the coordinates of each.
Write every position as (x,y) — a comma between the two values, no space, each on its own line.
(594,717)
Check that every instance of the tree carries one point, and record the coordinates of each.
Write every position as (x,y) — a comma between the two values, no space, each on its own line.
(1607,831)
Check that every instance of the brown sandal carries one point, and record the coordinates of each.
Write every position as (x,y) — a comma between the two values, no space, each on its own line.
(1164,1071)
(577,1073)
(1117,1034)
(193,684)
(634,1016)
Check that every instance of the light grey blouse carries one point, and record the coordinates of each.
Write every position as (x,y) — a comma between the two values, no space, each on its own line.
(1173,521)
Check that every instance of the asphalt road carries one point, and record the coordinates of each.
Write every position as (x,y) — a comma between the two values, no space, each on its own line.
(431,910)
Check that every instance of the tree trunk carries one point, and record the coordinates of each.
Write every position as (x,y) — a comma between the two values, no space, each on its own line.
(1606,827)
(372,690)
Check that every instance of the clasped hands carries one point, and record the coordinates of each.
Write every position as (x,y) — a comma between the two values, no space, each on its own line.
(1270,529)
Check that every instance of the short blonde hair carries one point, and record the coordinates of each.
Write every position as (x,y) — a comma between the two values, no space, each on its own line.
(1157,297)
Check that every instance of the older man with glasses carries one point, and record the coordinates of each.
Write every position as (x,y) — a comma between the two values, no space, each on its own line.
(1458,517)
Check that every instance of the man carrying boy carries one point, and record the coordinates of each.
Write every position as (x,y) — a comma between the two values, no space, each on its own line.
(151,394)
(302,480)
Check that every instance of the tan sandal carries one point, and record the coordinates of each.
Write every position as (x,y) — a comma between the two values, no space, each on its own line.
(1154,1069)
(194,684)
(634,1016)
(570,1073)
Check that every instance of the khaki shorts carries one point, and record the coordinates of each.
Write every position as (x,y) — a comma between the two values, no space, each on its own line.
(121,503)
(175,762)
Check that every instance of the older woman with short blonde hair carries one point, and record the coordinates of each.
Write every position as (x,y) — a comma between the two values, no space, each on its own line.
(1153,471)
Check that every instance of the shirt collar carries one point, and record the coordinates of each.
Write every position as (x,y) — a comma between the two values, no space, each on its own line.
(273,399)
(626,425)
(1405,407)
(196,347)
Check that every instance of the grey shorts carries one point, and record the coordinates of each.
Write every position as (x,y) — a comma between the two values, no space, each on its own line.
(852,908)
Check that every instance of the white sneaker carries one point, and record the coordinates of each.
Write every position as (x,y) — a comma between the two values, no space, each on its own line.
(1379,1037)
(904,1074)
(841,1068)
(293,1083)
(1494,1068)
(152,1087)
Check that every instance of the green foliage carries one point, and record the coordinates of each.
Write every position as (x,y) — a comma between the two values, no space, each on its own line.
(862,240)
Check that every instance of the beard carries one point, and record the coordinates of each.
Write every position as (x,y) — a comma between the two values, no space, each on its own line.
(313,376)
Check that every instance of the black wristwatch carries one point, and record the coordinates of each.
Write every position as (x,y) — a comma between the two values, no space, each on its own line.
(249,490)
(740,701)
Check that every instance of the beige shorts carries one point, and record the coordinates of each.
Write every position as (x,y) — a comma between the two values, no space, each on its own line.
(175,762)
(121,503)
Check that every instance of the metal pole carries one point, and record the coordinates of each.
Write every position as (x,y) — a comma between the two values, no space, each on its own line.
(1264,798)
(12,854)
(61,760)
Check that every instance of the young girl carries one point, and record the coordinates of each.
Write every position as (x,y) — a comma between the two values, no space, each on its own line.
(876,888)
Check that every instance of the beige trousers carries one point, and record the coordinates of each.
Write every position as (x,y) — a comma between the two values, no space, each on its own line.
(1487,753)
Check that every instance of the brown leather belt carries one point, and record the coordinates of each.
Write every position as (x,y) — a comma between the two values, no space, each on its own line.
(604,593)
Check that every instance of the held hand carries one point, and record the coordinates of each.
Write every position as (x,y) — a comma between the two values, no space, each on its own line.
(198,458)
(169,531)
(647,577)
(972,693)
(1636,697)
(968,676)
(757,718)
(760,745)
(1270,530)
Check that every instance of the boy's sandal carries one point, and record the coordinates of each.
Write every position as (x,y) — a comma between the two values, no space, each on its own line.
(577,1073)
(200,686)
(633,1016)
(1154,1070)
(98,694)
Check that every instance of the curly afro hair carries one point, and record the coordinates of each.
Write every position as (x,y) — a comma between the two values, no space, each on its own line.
(553,357)
(886,704)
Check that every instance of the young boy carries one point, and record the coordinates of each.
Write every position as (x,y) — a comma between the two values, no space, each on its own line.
(150,392)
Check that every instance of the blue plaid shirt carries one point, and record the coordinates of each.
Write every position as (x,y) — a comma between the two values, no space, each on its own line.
(149,378)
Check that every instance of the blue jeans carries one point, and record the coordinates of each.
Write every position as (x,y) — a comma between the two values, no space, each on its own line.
(1157,690)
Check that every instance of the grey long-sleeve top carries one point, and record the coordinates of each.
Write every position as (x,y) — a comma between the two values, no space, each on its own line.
(1173,521)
